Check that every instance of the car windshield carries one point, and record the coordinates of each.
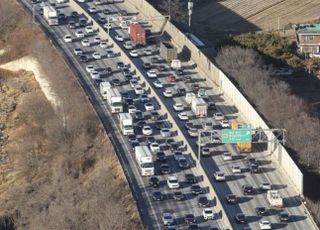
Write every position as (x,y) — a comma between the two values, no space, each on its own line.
(147,165)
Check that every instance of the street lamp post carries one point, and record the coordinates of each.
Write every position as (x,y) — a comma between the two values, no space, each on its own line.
(199,149)
(190,7)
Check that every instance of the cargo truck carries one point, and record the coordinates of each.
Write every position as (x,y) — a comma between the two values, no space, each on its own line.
(144,160)
(138,34)
(168,51)
(199,107)
(126,123)
(274,198)
(189,97)
(51,15)
(104,86)
(114,100)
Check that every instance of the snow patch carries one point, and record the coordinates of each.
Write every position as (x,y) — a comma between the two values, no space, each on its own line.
(2,51)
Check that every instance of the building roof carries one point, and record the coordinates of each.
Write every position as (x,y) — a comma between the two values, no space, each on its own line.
(308,29)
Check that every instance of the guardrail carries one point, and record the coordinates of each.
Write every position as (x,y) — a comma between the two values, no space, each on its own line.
(163,108)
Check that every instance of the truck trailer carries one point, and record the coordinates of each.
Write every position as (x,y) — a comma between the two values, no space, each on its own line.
(114,100)
(104,86)
(189,97)
(274,198)
(199,107)
(51,15)
(168,51)
(138,34)
(144,160)
(126,123)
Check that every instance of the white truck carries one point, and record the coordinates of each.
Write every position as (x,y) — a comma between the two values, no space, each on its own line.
(144,160)
(126,123)
(189,97)
(51,15)
(104,86)
(199,107)
(114,100)
(274,198)
(175,64)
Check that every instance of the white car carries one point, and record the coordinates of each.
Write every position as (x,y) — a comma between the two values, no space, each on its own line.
(134,53)
(178,155)
(128,45)
(96,55)
(89,29)
(168,93)
(236,169)
(133,83)
(77,51)
(158,84)
(183,116)
(92,10)
(152,74)
(103,44)
(165,132)
(149,106)
(167,218)
(97,39)
(138,90)
(227,156)
(132,109)
(95,75)
(224,124)
(208,214)
(193,132)
(172,182)
(265,186)
(219,176)
(146,130)
(67,38)
(85,42)
(178,107)
(79,34)
(98,2)
(147,51)
(265,225)
(154,147)
(218,116)
(107,26)
(119,38)
(89,68)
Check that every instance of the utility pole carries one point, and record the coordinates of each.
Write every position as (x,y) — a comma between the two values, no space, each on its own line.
(169,10)
(190,7)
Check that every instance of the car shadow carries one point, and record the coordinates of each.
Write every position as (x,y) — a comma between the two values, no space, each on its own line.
(234,177)
(244,199)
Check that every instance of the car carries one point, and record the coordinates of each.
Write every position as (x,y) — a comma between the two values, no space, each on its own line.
(95,75)
(74,14)
(147,51)
(251,160)
(132,109)
(181,92)
(154,147)
(218,116)
(147,130)
(265,186)
(154,115)
(265,225)
(90,68)
(193,132)
(128,45)
(254,168)
(165,169)
(240,218)
(98,2)
(160,125)
(79,34)
(187,79)
(205,151)
(107,26)
(190,178)
(161,68)
(168,93)
(189,125)
(216,140)
(165,132)
(219,176)
(97,39)
(123,13)
(85,42)
(89,29)
(203,202)
(231,198)
(172,78)
(208,214)
(178,196)
(138,90)
(157,196)
(167,218)
(146,65)
(119,38)
(227,156)
(116,82)
(138,115)
(152,74)
(183,163)
(134,53)
(82,22)
(179,72)
(196,189)
(72,25)
(161,156)
(133,83)
(207,125)
(108,70)
(131,137)
(106,11)
(236,169)
(143,98)
(224,124)
(174,146)
(102,20)
(92,10)
(103,44)
(83,58)
(261,211)
(151,139)
(149,106)
(190,219)
(178,107)
(157,84)
(211,105)
(172,182)
(284,216)
(183,116)
(77,51)
(67,38)
(177,154)
(247,189)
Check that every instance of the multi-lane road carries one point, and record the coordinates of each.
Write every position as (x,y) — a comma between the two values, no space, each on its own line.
(215,162)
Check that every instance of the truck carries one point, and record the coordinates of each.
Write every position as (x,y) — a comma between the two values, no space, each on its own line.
(168,51)
(138,34)
(274,198)
(114,100)
(126,123)
(189,97)
(51,15)
(144,160)
(104,86)
(175,64)
(199,107)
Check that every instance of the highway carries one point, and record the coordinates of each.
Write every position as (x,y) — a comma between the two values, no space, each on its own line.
(247,204)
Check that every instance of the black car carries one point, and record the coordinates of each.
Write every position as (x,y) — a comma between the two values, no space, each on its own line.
(254,168)
(261,211)
(74,14)
(151,139)
(179,196)
(154,182)
(187,79)
(62,16)
(132,137)
(157,196)
(251,160)
(196,189)
(231,198)
(83,22)
(284,216)
(165,169)
(106,11)
(190,178)
(189,125)
(190,219)
(141,123)
(193,227)
(240,218)
(154,60)
(116,82)
(183,163)
(161,68)
(134,144)
(181,92)
(211,105)
(123,13)
(179,72)
(138,115)
(108,70)
(195,88)
(146,65)
(161,156)
(102,20)
(160,125)
(83,58)
(128,77)
(128,100)
(203,202)
(247,189)
(154,115)
(120,65)
(72,25)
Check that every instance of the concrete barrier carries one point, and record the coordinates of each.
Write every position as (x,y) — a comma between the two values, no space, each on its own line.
(163,107)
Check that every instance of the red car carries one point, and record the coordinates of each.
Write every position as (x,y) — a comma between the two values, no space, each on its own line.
(172,78)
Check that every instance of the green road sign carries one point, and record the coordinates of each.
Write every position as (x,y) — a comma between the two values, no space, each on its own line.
(236,135)
(245,126)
